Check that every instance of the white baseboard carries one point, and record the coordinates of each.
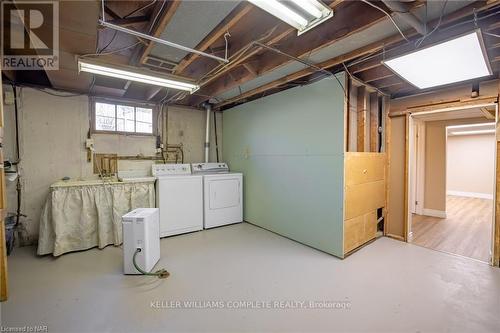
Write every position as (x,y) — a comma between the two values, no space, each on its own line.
(471,194)
(435,213)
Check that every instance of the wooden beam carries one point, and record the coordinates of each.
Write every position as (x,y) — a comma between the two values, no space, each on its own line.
(363,51)
(250,69)
(331,31)
(374,74)
(165,17)
(3,210)
(374,122)
(126,22)
(487,113)
(361,112)
(111,13)
(307,71)
(232,19)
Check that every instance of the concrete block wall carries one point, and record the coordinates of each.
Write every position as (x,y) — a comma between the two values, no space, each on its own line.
(52,137)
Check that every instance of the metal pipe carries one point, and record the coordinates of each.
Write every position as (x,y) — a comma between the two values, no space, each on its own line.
(159,40)
(402,11)
(208,107)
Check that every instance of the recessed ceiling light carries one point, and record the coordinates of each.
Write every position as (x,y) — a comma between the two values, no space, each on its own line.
(134,74)
(305,15)
(460,59)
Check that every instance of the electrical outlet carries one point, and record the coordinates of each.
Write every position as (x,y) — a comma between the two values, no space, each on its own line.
(89,143)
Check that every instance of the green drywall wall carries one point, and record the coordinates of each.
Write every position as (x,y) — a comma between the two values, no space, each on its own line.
(290,148)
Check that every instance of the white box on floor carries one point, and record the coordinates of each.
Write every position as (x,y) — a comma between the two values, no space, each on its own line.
(141,230)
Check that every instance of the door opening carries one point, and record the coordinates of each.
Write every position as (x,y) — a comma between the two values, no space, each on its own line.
(451,180)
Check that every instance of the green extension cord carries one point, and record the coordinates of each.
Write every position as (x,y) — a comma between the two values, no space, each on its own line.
(161,273)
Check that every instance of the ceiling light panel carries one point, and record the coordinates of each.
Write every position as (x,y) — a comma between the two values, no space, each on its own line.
(456,60)
(300,14)
(137,75)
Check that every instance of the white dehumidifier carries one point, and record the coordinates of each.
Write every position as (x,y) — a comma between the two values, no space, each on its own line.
(141,234)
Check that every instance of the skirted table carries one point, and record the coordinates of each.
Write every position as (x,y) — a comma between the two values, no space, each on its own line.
(79,215)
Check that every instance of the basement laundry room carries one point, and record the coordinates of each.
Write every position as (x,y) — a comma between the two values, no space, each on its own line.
(249,166)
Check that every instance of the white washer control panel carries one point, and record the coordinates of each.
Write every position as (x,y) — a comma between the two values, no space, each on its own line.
(210,168)
(170,169)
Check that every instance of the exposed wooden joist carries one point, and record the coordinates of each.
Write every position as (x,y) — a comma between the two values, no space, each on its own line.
(233,18)
(376,73)
(331,31)
(111,13)
(376,46)
(165,17)
(488,113)
(126,22)
(307,71)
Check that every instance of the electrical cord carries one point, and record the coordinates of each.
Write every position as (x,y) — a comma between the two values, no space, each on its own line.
(438,24)
(389,16)
(490,34)
(161,273)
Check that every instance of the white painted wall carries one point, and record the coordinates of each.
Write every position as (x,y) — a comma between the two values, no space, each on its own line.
(52,138)
(470,165)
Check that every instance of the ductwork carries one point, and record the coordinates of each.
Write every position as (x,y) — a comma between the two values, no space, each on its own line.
(207,107)
(402,10)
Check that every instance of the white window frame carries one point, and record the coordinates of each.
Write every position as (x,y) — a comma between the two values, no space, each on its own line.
(117,102)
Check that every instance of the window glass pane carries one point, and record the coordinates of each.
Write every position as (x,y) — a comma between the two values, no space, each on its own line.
(104,109)
(104,117)
(144,120)
(125,118)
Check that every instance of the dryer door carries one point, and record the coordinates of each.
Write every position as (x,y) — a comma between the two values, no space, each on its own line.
(224,193)
(223,200)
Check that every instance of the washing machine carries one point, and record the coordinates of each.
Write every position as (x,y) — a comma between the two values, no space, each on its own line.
(179,196)
(222,194)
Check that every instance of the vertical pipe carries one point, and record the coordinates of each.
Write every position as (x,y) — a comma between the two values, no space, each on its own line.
(208,107)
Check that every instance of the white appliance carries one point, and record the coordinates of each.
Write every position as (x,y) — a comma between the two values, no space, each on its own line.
(141,230)
(222,194)
(179,196)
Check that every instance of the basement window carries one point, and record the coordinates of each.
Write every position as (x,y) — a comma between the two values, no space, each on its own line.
(123,118)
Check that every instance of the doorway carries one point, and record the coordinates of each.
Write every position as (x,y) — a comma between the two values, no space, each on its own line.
(451,180)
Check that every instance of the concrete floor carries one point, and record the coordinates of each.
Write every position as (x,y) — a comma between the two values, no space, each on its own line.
(391,287)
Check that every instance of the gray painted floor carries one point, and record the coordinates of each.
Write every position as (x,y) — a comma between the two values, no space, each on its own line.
(389,285)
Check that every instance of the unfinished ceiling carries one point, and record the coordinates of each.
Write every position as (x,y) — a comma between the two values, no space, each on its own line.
(358,37)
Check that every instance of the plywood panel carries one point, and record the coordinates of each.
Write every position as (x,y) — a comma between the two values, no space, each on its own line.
(363,198)
(364,167)
(395,214)
(359,230)
(354,230)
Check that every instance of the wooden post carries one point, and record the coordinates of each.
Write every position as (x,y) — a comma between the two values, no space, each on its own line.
(374,122)
(361,106)
(3,250)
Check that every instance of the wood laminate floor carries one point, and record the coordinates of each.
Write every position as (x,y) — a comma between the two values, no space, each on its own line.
(466,230)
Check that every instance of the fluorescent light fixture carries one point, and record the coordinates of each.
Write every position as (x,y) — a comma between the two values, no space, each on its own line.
(473,132)
(134,74)
(470,125)
(459,59)
(309,7)
(304,16)
(282,12)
